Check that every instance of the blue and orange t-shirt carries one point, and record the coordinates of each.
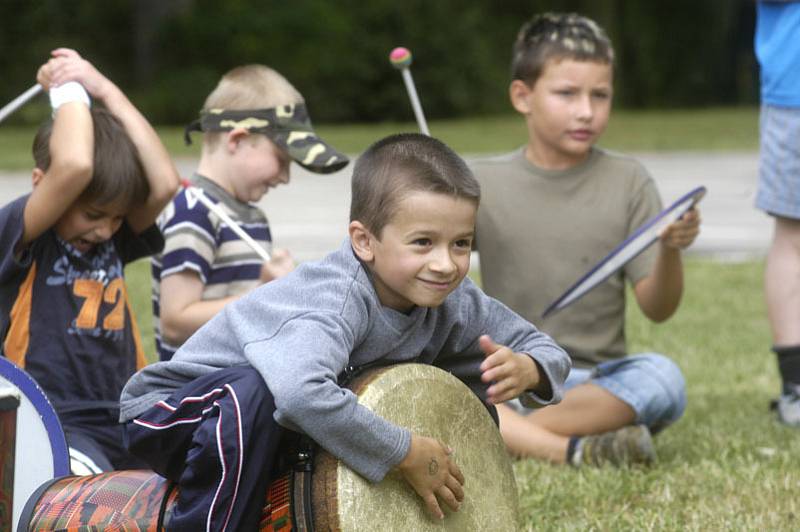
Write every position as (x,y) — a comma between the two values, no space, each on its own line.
(65,317)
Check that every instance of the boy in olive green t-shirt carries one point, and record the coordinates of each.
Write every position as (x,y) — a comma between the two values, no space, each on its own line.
(551,210)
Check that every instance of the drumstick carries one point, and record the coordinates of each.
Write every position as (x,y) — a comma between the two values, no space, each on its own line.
(19,101)
(401,59)
(198,193)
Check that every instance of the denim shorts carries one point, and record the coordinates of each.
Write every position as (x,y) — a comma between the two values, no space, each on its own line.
(650,383)
(779,161)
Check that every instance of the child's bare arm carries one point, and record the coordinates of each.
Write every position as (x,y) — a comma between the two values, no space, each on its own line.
(429,470)
(158,167)
(182,307)
(510,373)
(71,163)
(659,294)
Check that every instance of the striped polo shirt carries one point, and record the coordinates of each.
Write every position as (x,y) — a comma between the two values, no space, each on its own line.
(197,240)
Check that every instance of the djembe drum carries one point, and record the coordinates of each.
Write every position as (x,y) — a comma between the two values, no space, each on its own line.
(425,399)
(32,445)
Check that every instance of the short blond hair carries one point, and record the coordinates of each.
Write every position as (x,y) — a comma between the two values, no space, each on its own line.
(249,87)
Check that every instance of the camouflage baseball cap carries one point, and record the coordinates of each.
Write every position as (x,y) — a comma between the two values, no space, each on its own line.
(288,126)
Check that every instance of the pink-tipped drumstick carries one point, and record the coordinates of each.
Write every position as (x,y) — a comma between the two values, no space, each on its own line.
(401,59)
(216,209)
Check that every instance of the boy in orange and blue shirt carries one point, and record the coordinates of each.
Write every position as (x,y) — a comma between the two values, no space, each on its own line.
(101,178)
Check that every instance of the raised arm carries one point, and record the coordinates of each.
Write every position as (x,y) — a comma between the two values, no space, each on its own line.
(659,294)
(71,160)
(158,167)
(183,309)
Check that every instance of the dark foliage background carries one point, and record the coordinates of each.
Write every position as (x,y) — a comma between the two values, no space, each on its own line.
(168,54)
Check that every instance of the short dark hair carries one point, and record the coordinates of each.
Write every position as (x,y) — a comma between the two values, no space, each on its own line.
(399,164)
(557,36)
(118,176)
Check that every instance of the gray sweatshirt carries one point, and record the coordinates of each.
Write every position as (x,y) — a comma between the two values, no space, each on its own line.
(303,330)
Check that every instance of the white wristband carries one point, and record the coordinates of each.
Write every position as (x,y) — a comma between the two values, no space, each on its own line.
(71,91)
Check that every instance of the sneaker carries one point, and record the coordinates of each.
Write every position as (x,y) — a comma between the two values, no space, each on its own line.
(630,445)
(788,406)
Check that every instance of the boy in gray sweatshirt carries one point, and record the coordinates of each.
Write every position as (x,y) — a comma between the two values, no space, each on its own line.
(396,291)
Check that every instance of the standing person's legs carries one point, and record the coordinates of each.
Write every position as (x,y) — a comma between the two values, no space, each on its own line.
(782,290)
(779,195)
(782,283)
(648,390)
(217,438)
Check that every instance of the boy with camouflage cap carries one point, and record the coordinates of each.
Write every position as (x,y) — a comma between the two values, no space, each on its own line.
(253,123)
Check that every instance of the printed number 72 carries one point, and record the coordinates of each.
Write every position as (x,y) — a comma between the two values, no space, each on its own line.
(95,294)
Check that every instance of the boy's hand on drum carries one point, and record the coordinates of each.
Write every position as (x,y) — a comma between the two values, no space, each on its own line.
(681,233)
(280,264)
(509,373)
(429,470)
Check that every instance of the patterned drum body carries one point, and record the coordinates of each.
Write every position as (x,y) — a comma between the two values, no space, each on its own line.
(124,501)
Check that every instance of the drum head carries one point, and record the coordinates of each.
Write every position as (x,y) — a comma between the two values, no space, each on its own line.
(430,402)
(641,239)
(41,451)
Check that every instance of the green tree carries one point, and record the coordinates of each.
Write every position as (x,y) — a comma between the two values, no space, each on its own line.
(169,54)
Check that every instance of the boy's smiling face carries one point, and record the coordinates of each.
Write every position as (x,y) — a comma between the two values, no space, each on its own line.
(423,252)
(566,110)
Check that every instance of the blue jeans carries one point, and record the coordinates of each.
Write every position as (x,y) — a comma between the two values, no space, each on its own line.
(650,383)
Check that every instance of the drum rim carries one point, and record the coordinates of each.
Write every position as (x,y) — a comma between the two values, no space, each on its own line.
(26,516)
(29,387)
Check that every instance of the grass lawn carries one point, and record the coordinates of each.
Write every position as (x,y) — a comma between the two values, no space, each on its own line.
(696,129)
(727,465)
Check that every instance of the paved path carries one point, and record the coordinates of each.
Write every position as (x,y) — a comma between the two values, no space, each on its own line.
(732,228)
(309,217)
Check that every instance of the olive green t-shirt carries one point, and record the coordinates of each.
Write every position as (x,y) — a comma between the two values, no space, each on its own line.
(539,231)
